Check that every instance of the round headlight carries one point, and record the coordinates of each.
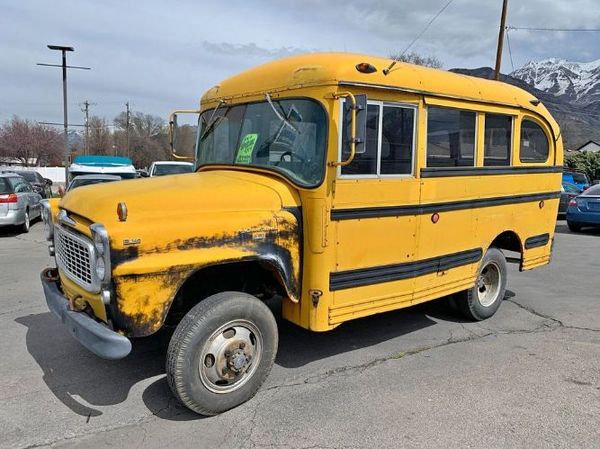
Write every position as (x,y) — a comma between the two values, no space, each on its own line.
(99,244)
(100,268)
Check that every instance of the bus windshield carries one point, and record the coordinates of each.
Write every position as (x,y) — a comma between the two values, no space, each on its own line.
(287,136)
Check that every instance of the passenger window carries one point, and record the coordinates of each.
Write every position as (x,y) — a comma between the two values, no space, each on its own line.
(397,135)
(365,163)
(498,138)
(534,143)
(450,137)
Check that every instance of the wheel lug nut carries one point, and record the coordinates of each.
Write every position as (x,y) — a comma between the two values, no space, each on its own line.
(228,353)
(242,345)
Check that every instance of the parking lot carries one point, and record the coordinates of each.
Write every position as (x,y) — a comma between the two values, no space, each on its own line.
(421,377)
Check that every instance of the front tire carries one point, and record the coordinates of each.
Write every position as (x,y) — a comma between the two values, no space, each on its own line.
(484,299)
(221,352)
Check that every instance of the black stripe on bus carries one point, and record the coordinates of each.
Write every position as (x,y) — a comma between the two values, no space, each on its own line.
(397,211)
(537,240)
(387,273)
(438,172)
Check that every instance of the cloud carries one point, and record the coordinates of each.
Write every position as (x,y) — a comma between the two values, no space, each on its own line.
(160,56)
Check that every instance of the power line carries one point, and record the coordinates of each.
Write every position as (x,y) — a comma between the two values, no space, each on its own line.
(387,70)
(567,30)
(510,50)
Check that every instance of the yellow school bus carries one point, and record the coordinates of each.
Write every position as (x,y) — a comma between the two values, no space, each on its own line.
(342,188)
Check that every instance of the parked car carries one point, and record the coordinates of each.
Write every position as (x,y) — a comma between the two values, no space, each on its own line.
(40,184)
(161,168)
(584,210)
(86,180)
(19,203)
(567,193)
(579,179)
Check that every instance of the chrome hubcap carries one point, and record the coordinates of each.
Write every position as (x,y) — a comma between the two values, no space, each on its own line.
(230,356)
(488,284)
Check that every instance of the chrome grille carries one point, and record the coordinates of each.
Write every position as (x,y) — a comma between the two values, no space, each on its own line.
(74,256)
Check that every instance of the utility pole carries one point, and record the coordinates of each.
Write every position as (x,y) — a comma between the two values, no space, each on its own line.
(86,110)
(64,66)
(127,117)
(501,39)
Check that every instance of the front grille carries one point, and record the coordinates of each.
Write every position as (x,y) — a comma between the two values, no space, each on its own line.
(74,256)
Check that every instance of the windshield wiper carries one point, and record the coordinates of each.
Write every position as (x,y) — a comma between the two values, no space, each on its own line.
(281,117)
(212,121)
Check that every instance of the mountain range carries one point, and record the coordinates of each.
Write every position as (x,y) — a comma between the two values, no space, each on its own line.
(570,91)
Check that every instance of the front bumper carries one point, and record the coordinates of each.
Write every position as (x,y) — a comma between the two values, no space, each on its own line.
(95,337)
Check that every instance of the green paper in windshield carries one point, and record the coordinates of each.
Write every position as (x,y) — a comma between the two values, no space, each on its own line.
(244,154)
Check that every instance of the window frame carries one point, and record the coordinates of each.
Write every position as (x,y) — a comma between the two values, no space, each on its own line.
(381,104)
(549,140)
(511,147)
(476,148)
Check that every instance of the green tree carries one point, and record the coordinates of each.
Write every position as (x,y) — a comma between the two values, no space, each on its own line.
(588,163)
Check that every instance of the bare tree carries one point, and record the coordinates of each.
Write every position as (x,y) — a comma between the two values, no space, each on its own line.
(30,142)
(148,137)
(415,58)
(100,137)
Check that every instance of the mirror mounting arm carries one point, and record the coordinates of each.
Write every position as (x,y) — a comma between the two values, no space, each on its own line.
(172,124)
(353,140)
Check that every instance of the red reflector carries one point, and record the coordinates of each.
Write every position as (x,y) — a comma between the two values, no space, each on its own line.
(573,202)
(11,198)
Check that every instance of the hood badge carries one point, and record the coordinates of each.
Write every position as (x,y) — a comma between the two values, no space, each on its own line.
(129,242)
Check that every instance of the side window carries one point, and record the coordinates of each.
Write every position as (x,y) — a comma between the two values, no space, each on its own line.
(366,163)
(450,137)
(498,138)
(19,185)
(534,142)
(397,136)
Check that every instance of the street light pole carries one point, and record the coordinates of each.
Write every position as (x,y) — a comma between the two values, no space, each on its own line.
(64,67)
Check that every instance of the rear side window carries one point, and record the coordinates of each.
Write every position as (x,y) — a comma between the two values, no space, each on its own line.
(498,137)
(450,137)
(534,142)
(5,186)
(19,185)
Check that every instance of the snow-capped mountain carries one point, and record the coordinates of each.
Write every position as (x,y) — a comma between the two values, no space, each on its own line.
(574,81)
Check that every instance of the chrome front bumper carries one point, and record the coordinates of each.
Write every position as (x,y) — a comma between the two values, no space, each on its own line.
(94,336)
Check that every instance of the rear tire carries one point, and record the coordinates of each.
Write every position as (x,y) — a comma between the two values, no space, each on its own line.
(221,352)
(484,299)
(573,227)
(24,228)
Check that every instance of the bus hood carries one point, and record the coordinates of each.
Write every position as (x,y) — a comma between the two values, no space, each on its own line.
(180,197)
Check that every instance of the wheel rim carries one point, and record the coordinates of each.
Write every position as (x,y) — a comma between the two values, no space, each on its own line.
(488,284)
(230,356)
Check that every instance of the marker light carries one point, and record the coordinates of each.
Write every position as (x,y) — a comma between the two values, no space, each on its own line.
(122,211)
(365,67)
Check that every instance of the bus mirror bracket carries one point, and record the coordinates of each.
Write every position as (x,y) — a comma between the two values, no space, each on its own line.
(173,132)
(355,107)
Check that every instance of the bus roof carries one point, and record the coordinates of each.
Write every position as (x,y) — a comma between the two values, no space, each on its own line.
(315,69)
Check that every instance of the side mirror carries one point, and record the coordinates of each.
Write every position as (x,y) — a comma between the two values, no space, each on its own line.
(182,138)
(360,121)
(48,181)
(144,174)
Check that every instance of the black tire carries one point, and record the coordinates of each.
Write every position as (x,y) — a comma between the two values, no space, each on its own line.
(573,227)
(474,303)
(24,228)
(189,366)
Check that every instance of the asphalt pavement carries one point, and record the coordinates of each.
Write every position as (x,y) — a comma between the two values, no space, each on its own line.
(416,378)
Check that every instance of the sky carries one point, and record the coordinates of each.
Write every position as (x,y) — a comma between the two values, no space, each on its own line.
(162,55)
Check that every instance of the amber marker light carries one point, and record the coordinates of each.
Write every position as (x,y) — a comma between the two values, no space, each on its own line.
(365,67)
(122,211)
